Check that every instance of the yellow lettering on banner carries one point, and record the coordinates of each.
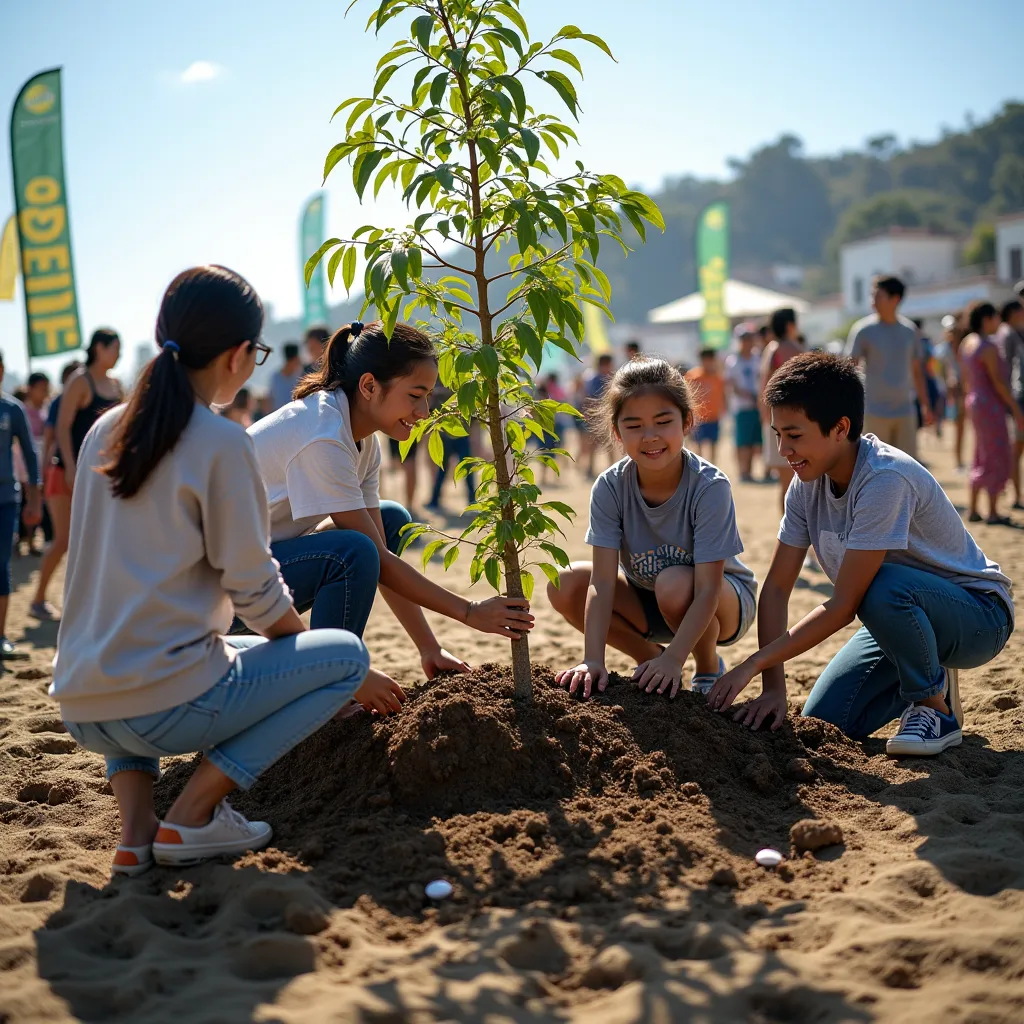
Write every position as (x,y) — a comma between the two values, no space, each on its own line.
(47,283)
(42,226)
(53,329)
(43,259)
(41,305)
(42,192)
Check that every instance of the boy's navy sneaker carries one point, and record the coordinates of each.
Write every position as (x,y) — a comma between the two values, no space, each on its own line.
(924,731)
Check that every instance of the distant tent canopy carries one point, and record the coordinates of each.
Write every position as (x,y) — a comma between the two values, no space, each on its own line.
(742,301)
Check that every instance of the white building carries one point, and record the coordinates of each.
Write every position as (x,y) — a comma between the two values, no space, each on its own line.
(915,256)
(1010,248)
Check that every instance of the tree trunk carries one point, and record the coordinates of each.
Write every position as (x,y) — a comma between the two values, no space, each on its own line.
(522,676)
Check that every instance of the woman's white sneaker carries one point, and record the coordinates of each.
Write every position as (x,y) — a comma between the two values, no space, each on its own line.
(227,832)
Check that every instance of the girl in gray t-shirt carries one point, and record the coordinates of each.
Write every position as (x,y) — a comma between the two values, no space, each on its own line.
(663,530)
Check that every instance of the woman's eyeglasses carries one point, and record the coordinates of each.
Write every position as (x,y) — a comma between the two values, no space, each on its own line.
(262,351)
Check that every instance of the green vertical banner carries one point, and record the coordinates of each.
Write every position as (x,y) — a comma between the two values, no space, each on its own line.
(311,237)
(713,271)
(41,205)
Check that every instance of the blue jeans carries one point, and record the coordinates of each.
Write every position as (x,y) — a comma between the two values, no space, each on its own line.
(914,624)
(335,573)
(276,693)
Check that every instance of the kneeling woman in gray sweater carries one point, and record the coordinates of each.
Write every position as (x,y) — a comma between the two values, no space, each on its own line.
(169,538)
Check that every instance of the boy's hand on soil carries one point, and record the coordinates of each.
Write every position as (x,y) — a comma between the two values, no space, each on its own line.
(661,673)
(380,693)
(730,686)
(591,674)
(508,616)
(440,660)
(771,702)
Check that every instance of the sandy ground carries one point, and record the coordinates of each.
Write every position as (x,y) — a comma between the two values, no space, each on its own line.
(916,917)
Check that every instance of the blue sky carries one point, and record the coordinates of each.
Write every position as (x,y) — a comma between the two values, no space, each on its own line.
(164,173)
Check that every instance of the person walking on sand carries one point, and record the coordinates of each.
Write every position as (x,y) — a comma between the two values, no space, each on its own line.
(742,370)
(989,401)
(14,426)
(286,377)
(169,535)
(1010,340)
(708,387)
(888,347)
(86,396)
(784,345)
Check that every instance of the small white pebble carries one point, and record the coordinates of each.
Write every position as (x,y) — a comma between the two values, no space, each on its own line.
(768,858)
(440,889)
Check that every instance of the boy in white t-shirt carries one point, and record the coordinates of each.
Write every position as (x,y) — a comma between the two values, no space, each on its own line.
(901,561)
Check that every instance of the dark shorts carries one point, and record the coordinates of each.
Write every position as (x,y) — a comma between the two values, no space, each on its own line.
(659,631)
(748,429)
(706,432)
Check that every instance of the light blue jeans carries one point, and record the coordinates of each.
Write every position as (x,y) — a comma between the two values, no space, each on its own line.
(276,693)
(914,624)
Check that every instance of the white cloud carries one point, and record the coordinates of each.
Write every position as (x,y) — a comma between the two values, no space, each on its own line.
(200,71)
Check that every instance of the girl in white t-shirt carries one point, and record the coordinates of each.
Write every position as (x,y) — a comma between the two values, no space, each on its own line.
(320,461)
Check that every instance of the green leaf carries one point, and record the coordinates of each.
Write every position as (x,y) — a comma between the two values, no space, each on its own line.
(490,152)
(572,32)
(450,555)
(568,57)
(348,268)
(363,168)
(487,360)
(445,177)
(515,89)
(493,572)
(551,572)
(415,262)
(531,143)
(430,549)
(526,578)
(564,88)
(335,156)
(514,16)
(357,112)
(435,448)
(400,267)
(437,88)
(538,304)
(382,79)
(421,30)
(332,265)
(311,263)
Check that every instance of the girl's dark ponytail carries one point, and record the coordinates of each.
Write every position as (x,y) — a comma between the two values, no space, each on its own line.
(205,311)
(356,349)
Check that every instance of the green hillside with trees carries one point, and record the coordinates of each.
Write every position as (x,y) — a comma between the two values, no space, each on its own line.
(793,209)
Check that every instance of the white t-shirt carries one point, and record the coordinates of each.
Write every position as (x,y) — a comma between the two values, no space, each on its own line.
(312,466)
(744,373)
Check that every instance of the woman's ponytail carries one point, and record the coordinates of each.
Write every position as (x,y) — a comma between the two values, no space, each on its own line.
(357,349)
(205,311)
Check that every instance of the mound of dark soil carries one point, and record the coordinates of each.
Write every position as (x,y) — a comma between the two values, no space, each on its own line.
(560,799)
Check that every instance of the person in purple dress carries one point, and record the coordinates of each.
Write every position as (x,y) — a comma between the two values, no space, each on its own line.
(989,399)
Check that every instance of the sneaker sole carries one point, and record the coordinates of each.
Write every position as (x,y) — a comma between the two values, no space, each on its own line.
(925,748)
(175,855)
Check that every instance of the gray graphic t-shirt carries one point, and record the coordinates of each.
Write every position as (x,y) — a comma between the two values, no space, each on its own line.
(893,504)
(697,524)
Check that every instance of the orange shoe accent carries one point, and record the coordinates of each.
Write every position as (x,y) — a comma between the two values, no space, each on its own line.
(126,859)
(168,835)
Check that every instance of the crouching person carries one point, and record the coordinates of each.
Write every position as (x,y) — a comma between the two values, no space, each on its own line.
(169,536)
(895,548)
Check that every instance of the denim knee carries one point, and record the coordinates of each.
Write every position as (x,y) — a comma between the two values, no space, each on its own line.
(884,593)
(394,517)
(354,555)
